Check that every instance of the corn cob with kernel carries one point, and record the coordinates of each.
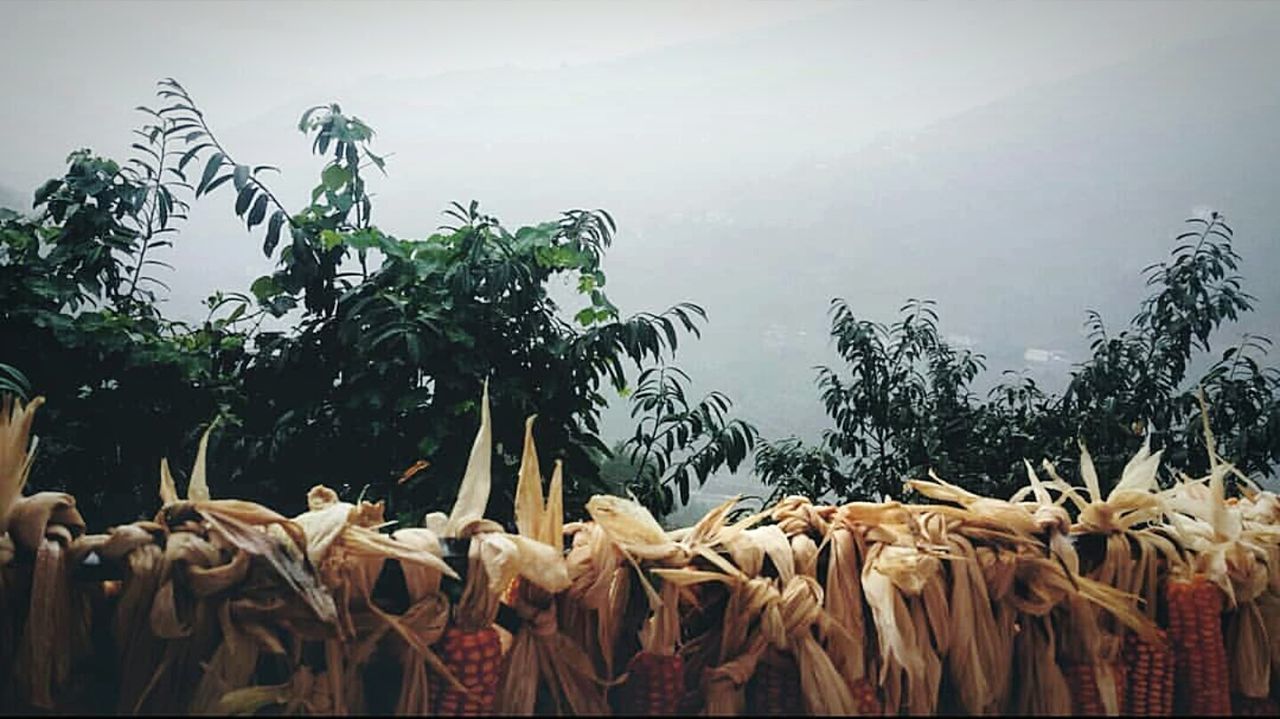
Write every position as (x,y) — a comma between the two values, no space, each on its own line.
(474,657)
(1200,656)
(1086,697)
(1149,689)
(654,686)
(471,648)
(774,690)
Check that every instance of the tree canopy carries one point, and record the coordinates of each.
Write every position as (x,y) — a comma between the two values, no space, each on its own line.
(388,344)
(903,404)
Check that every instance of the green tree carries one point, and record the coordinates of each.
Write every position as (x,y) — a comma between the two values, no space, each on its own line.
(903,403)
(79,320)
(383,365)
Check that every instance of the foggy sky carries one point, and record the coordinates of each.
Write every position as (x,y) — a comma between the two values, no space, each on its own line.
(759,157)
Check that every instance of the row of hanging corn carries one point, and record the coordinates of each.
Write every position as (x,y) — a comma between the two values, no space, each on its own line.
(1057,601)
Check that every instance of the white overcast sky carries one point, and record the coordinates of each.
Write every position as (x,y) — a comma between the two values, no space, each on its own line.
(706,127)
(74,70)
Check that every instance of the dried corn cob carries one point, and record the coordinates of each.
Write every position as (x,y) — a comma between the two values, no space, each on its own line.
(775,688)
(1149,689)
(654,685)
(474,657)
(867,697)
(1085,698)
(1200,656)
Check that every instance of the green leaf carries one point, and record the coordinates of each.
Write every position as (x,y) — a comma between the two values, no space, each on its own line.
(335,176)
(42,194)
(330,239)
(191,153)
(241,176)
(217,183)
(259,211)
(210,169)
(264,287)
(273,232)
(244,198)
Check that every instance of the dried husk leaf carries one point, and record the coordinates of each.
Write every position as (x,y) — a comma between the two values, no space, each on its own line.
(844,605)
(800,609)
(15,455)
(1041,687)
(529,505)
(473,493)
(1250,652)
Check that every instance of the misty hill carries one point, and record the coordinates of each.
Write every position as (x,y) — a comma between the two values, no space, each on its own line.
(1016,217)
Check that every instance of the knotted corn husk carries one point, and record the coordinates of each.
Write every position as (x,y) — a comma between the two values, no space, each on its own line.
(1135,552)
(743,643)
(425,621)
(349,555)
(55,633)
(138,548)
(540,654)
(806,626)
(800,613)
(599,590)
(185,614)
(226,567)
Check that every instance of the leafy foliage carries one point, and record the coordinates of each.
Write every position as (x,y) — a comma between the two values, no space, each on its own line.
(383,366)
(676,442)
(125,386)
(903,404)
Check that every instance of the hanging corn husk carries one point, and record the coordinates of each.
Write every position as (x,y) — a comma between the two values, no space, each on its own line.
(139,549)
(424,621)
(471,646)
(540,654)
(625,536)
(600,587)
(53,636)
(1042,585)
(806,625)
(852,649)
(17,451)
(1041,688)
(224,566)
(1228,572)
(698,614)
(349,554)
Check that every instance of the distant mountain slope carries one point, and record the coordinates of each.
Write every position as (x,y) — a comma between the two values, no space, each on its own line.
(1017,217)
